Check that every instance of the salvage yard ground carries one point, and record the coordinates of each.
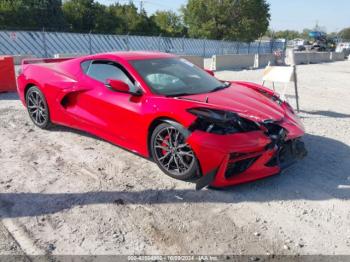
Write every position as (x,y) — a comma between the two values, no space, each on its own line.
(66,192)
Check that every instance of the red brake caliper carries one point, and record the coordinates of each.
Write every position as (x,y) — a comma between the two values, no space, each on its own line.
(166,139)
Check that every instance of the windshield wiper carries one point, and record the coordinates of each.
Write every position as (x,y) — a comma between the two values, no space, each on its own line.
(179,94)
(225,85)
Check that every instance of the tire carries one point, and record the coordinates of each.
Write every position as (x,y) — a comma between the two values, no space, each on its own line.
(172,154)
(37,107)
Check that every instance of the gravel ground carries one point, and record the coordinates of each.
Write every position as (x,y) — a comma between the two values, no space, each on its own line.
(66,192)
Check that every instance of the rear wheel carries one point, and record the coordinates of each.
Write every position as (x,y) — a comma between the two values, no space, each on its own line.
(173,154)
(37,108)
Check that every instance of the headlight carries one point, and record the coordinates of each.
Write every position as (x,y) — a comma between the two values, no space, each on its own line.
(221,122)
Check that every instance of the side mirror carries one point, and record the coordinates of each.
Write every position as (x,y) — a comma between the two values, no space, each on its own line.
(121,86)
(117,85)
(210,72)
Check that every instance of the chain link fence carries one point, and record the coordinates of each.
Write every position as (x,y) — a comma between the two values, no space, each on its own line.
(46,44)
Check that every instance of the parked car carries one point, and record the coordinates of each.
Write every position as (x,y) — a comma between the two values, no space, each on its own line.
(298,44)
(195,127)
(299,48)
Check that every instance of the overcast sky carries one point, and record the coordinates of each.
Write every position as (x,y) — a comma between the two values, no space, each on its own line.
(333,15)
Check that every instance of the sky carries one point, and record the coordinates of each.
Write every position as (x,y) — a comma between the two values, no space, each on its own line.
(332,15)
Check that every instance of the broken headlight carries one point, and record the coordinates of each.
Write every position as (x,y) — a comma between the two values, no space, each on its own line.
(220,122)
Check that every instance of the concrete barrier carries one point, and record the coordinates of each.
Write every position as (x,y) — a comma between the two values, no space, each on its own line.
(347,53)
(196,60)
(222,62)
(319,57)
(337,56)
(290,57)
(299,58)
(262,60)
(17,59)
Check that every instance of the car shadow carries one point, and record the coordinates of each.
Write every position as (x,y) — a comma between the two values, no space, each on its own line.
(326,113)
(66,129)
(322,175)
(60,128)
(9,96)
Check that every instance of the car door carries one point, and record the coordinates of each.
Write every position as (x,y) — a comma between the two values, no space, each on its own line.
(107,113)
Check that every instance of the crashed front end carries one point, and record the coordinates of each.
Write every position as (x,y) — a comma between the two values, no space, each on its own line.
(233,149)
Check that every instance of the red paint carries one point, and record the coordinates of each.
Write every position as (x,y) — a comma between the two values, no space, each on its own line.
(77,101)
(118,85)
(210,72)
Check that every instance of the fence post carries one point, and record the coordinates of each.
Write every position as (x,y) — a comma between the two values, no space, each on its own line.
(249,48)
(44,43)
(127,42)
(159,43)
(90,43)
(204,47)
(296,87)
(222,47)
(271,45)
(259,46)
(284,48)
(183,45)
(237,51)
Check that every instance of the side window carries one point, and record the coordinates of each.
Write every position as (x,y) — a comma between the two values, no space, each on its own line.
(101,71)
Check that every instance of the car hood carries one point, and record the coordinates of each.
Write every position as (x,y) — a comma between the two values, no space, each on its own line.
(243,100)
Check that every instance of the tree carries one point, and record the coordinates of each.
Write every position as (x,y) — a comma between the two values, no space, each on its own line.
(9,10)
(80,14)
(31,14)
(49,13)
(287,34)
(306,34)
(169,23)
(131,20)
(244,20)
(105,21)
(345,33)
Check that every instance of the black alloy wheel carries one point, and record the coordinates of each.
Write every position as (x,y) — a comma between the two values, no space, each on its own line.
(37,108)
(172,153)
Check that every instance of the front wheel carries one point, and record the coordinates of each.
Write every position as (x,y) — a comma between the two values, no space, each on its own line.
(173,154)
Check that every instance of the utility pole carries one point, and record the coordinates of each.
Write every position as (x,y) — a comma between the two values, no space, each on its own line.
(141,6)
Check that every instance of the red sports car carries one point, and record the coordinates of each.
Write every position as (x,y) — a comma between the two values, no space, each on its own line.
(195,127)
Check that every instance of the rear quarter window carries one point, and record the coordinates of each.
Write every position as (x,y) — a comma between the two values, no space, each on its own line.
(85,66)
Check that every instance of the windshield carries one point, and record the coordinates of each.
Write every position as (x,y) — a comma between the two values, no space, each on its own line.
(176,76)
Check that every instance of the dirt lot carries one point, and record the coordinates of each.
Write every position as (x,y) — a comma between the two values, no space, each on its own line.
(65,192)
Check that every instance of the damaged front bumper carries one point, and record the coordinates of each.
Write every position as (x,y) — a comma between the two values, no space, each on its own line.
(238,158)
